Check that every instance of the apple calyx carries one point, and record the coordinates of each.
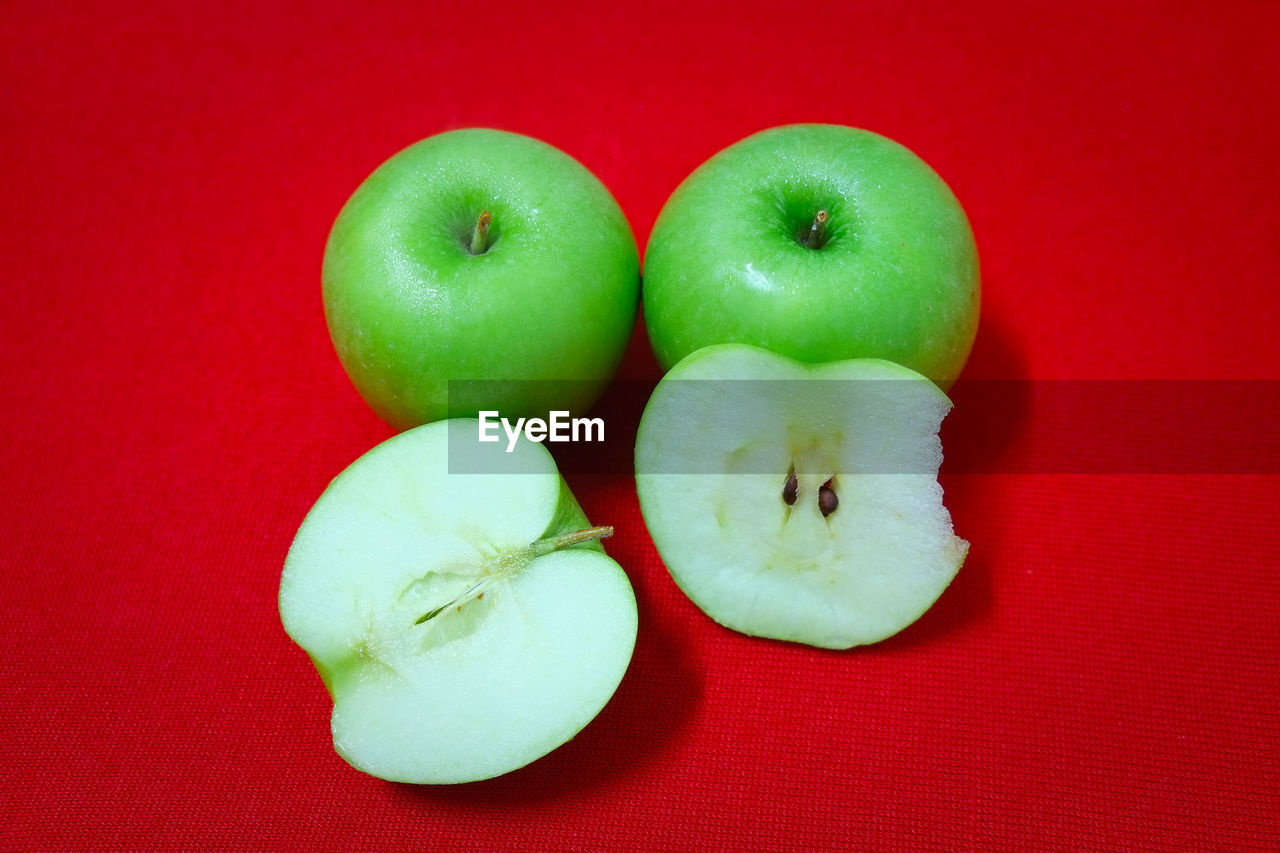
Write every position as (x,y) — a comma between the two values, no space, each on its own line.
(480,236)
(815,236)
(513,561)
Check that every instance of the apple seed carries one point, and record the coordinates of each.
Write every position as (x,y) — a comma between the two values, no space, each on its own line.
(827,500)
(790,488)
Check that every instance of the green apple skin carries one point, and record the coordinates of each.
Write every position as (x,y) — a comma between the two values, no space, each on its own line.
(719,441)
(553,298)
(897,277)
(482,688)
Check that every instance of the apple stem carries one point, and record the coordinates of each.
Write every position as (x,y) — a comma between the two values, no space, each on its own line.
(568,540)
(813,237)
(480,236)
(535,550)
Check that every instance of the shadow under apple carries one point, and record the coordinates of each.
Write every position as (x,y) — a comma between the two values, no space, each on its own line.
(990,416)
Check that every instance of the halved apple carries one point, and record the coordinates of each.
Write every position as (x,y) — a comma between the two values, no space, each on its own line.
(464,623)
(796,501)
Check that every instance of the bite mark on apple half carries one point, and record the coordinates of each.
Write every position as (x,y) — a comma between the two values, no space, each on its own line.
(464,624)
(798,502)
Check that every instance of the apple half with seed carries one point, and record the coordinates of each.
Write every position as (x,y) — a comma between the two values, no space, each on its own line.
(465,624)
(796,501)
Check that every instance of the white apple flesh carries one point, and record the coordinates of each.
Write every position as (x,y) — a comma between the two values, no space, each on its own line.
(460,624)
(798,502)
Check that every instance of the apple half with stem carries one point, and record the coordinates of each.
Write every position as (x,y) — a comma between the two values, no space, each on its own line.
(795,501)
(465,624)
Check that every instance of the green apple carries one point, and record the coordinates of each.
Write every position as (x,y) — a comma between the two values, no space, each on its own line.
(796,501)
(464,624)
(480,255)
(820,242)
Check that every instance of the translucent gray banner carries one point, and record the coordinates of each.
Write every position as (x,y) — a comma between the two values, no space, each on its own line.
(883,427)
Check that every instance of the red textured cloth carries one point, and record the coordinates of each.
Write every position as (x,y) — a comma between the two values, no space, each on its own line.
(1104,673)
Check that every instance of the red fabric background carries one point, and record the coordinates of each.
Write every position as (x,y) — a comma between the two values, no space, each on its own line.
(1103,672)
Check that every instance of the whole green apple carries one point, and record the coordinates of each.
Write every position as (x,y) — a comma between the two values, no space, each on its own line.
(480,255)
(819,242)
